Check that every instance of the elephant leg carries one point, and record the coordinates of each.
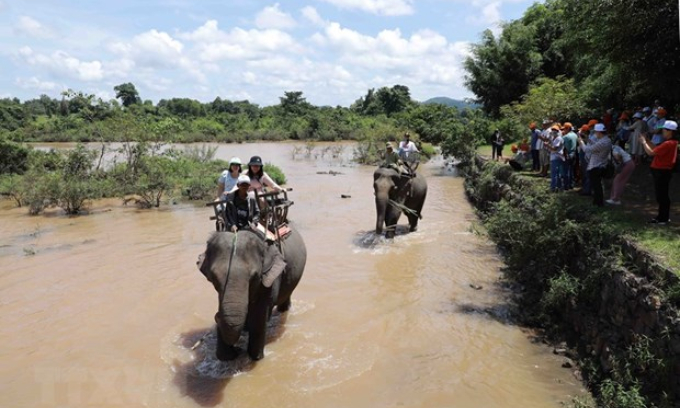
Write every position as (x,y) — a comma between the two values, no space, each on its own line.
(225,352)
(284,306)
(258,316)
(412,222)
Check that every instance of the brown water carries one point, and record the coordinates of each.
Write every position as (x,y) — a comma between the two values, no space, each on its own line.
(102,310)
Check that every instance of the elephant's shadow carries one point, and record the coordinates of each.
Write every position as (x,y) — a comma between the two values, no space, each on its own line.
(205,377)
(370,240)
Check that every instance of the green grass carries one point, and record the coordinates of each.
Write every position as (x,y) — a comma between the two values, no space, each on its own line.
(484,150)
(661,241)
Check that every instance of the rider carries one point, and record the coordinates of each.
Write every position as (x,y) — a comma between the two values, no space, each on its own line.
(227,181)
(242,211)
(406,147)
(258,178)
(391,157)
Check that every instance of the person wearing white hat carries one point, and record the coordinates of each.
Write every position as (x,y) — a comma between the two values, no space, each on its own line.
(227,181)
(600,153)
(242,210)
(638,127)
(665,157)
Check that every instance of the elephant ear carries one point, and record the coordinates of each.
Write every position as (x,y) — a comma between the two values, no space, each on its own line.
(274,266)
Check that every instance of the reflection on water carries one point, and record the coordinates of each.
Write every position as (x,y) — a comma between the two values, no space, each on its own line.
(104,309)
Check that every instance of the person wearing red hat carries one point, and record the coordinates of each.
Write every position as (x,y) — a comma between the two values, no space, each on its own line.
(600,152)
(657,129)
(622,132)
(570,144)
(584,134)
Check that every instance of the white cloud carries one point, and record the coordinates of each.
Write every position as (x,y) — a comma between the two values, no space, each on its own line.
(489,16)
(39,85)
(32,28)
(424,57)
(380,7)
(273,17)
(64,65)
(151,49)
(213,44)
(313,16)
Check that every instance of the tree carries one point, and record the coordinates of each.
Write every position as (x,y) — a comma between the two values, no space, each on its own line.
(549,98)
(127,93)
(629,50)
(386,101)
(500,70)
(294,103)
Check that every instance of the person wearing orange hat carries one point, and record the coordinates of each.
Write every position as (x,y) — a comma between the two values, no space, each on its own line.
(657,129)
(557,159)
(600,153)
(622,132)
(543,145)
(570,144)
(535,160)
(584,134)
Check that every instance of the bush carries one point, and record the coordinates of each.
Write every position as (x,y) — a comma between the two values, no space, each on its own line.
(11,185)
(13,157)
(275,173)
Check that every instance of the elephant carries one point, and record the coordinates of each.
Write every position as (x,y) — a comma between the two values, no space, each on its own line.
(406,189)
(250,276)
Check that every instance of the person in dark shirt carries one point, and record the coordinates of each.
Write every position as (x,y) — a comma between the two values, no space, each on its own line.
(242,209)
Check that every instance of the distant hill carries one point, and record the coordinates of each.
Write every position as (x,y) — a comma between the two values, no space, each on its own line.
(443,100)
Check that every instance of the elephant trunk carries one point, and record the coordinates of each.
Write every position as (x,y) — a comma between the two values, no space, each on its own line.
(233,309)
(381,210)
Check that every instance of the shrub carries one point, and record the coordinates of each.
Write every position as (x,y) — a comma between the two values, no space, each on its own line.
(13,157)
(275,173)
(12,186)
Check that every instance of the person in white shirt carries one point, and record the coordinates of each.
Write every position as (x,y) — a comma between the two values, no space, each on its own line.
(227,181)
(406,147)
(600,152)
(625,165)
(556,159)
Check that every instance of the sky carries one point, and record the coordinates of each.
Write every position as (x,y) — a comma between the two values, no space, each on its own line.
(333,51)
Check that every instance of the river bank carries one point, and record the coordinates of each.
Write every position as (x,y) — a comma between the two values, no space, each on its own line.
(584,283)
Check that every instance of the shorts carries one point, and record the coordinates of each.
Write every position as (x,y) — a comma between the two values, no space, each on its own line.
(544,157)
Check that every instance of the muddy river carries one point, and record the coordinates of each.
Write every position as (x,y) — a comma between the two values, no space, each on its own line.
(103,309)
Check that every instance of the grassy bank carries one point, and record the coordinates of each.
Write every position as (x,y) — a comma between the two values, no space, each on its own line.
(578,281)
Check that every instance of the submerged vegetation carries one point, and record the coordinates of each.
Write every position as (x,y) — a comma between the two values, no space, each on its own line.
(71,179)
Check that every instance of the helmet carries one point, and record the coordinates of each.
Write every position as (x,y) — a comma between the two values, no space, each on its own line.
(243,179)
(255,161)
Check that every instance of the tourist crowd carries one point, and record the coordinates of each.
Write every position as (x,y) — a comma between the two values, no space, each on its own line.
(611,147)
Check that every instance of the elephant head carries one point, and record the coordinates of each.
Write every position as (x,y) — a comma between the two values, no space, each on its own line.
(248,275)
(242,268)
(389,185)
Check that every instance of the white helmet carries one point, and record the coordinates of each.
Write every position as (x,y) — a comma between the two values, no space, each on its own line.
(243,179)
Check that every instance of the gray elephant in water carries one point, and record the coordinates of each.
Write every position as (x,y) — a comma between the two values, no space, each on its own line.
(405,189)
(251,277)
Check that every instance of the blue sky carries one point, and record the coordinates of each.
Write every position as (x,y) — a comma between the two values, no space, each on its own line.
(331,50)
